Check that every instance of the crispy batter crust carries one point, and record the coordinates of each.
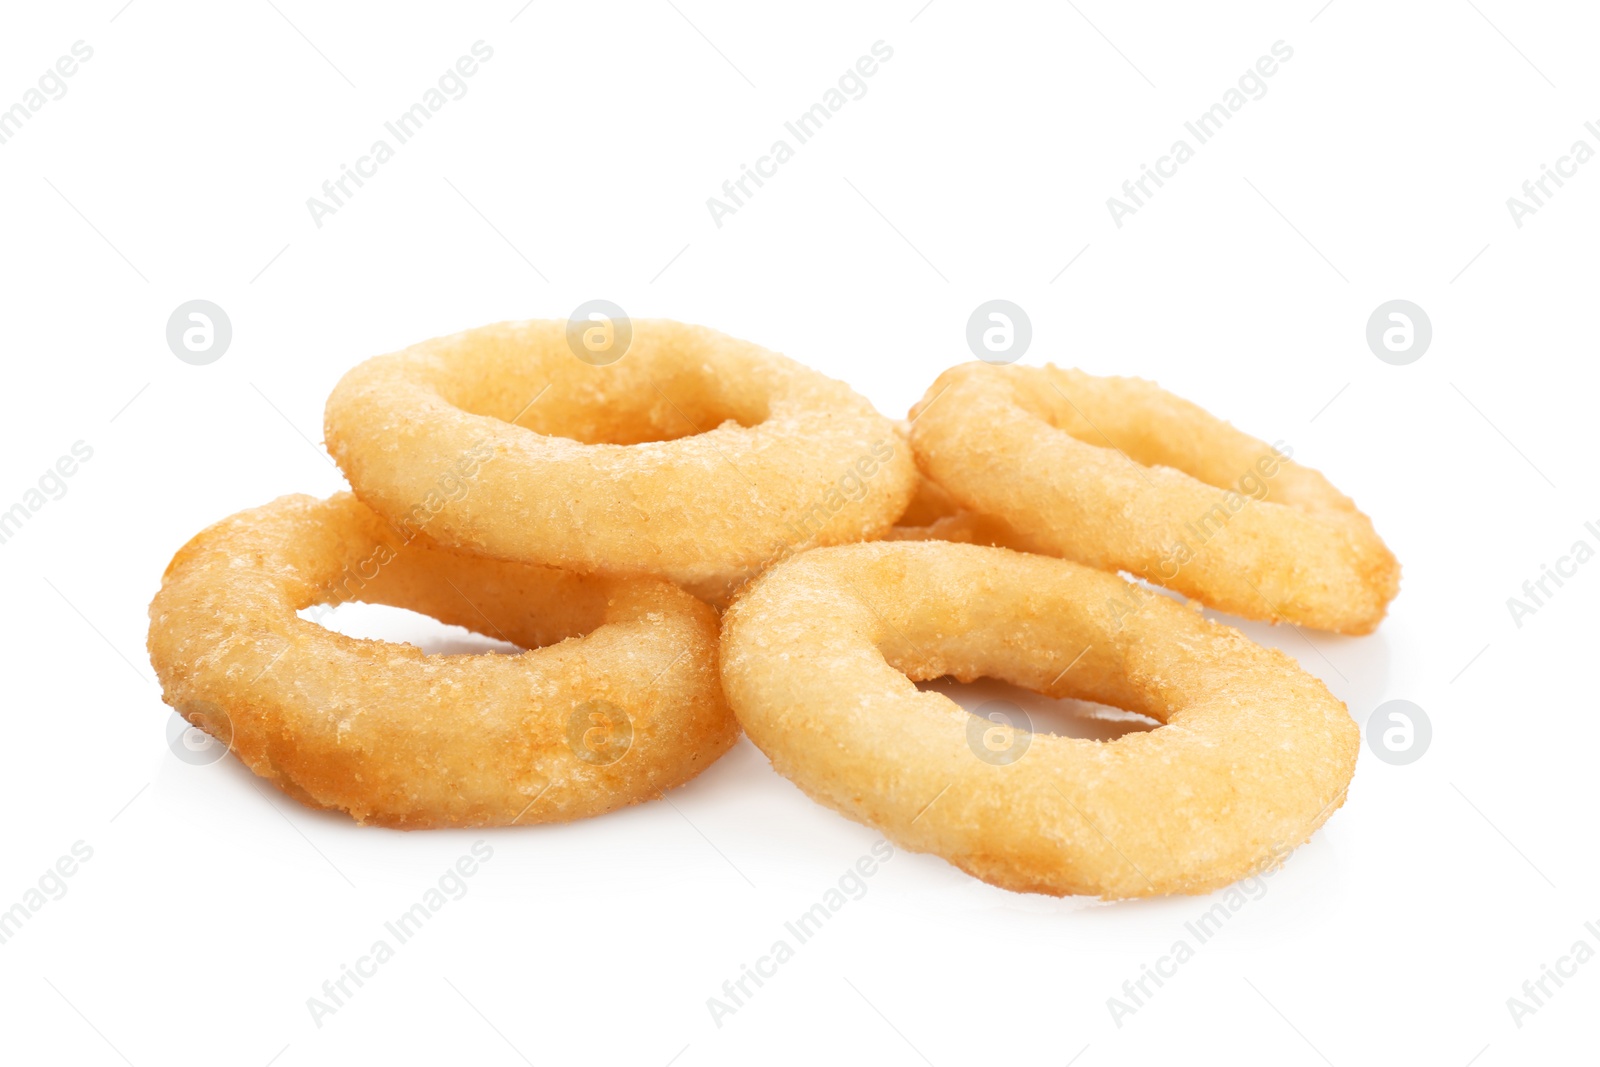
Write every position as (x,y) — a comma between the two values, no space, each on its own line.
(933,515)
(818,658)
(1122,475)
(400,738)
(695,456)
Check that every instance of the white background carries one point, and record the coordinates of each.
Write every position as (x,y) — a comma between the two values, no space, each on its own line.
(577,166)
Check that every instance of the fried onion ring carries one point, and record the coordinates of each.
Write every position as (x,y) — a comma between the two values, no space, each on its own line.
(818,659)
(694,456)
(1119,474)
(616,700)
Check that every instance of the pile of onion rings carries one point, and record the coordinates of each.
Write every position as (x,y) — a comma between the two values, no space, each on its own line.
(598,513)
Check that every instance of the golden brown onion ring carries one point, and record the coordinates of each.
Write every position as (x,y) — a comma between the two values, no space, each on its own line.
(1122,475)
(693,456)
(818,660)
(616,700)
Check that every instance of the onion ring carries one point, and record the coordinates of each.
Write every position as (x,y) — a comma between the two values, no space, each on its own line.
(1121,475)
(694,456)
(818,659)
(576,726)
